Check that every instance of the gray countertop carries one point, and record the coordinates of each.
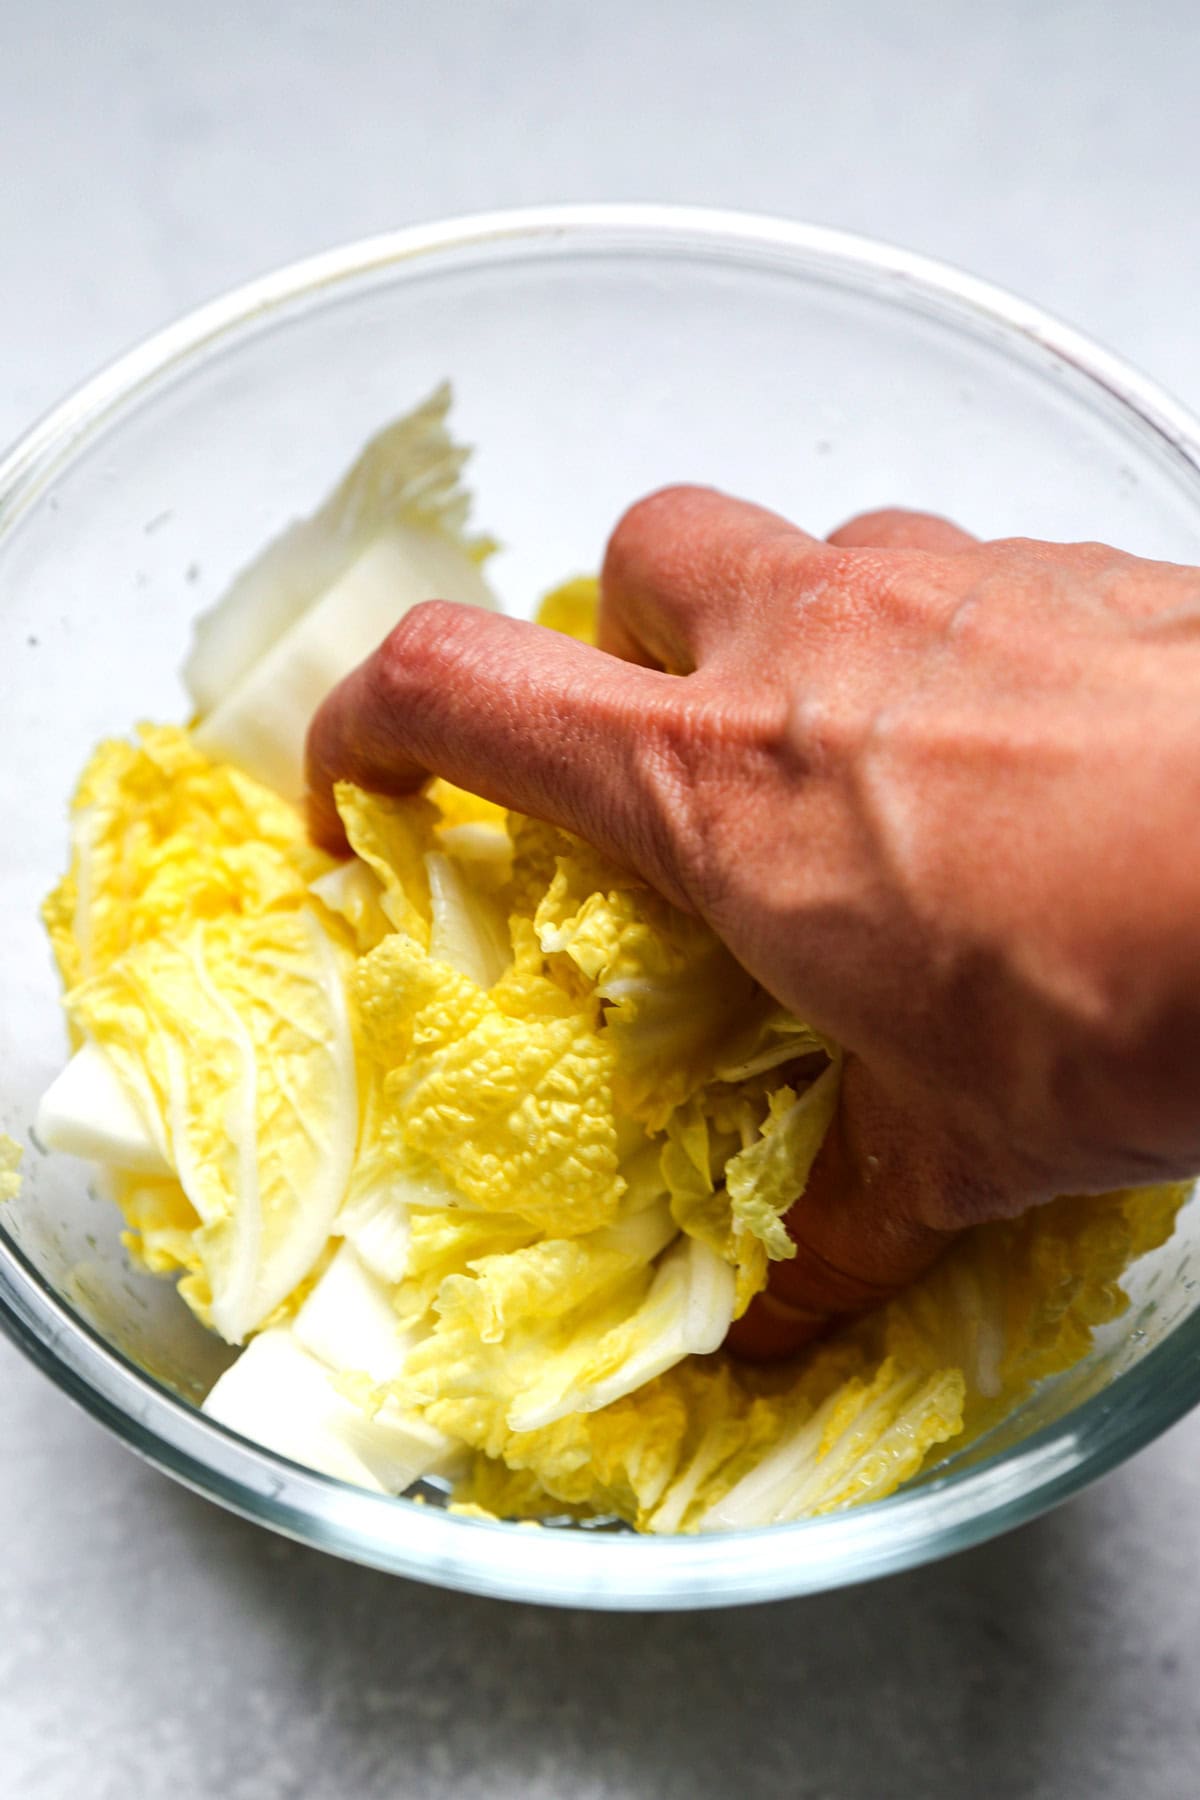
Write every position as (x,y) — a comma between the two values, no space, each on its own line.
(154,154)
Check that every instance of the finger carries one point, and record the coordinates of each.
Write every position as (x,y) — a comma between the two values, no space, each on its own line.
(895,528)
(858,1227)
(684,568)
(522,715)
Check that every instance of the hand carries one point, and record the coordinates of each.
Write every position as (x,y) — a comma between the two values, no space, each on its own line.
(939,796)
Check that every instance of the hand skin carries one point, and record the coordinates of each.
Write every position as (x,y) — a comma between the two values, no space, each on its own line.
(941,797)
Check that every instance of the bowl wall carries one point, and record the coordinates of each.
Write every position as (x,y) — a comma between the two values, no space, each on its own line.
(596,354)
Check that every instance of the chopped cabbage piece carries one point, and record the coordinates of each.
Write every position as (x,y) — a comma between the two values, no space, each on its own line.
(391,837)
(348,1320)
(467,931)
(407,477)
(327,592)
(865,1440)
(674,996)
(279,1395)
(260,724)
(686,1312)
(87,1111)
(162,837)
(511,1104)
(354,893)
(237,1038)
(770,1174)
(375,1218)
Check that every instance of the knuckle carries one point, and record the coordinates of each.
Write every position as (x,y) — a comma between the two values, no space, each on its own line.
(765,574)
(899,528)
(422,644)
(692,762)
(870,527)
(648,526)
(655,748)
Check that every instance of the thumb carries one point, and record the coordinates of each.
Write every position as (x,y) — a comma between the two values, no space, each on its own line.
(859,1227)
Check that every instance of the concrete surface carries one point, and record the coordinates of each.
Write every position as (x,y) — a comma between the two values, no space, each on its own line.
(152,155)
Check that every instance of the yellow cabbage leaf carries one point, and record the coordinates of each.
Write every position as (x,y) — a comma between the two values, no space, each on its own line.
(572,608)
(236,1036)
(515,1112)
(161,837)
(392,837)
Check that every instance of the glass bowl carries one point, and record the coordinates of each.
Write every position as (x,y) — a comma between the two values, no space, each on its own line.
(597,352)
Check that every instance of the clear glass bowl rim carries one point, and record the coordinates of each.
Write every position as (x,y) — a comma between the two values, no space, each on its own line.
(580,1568)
